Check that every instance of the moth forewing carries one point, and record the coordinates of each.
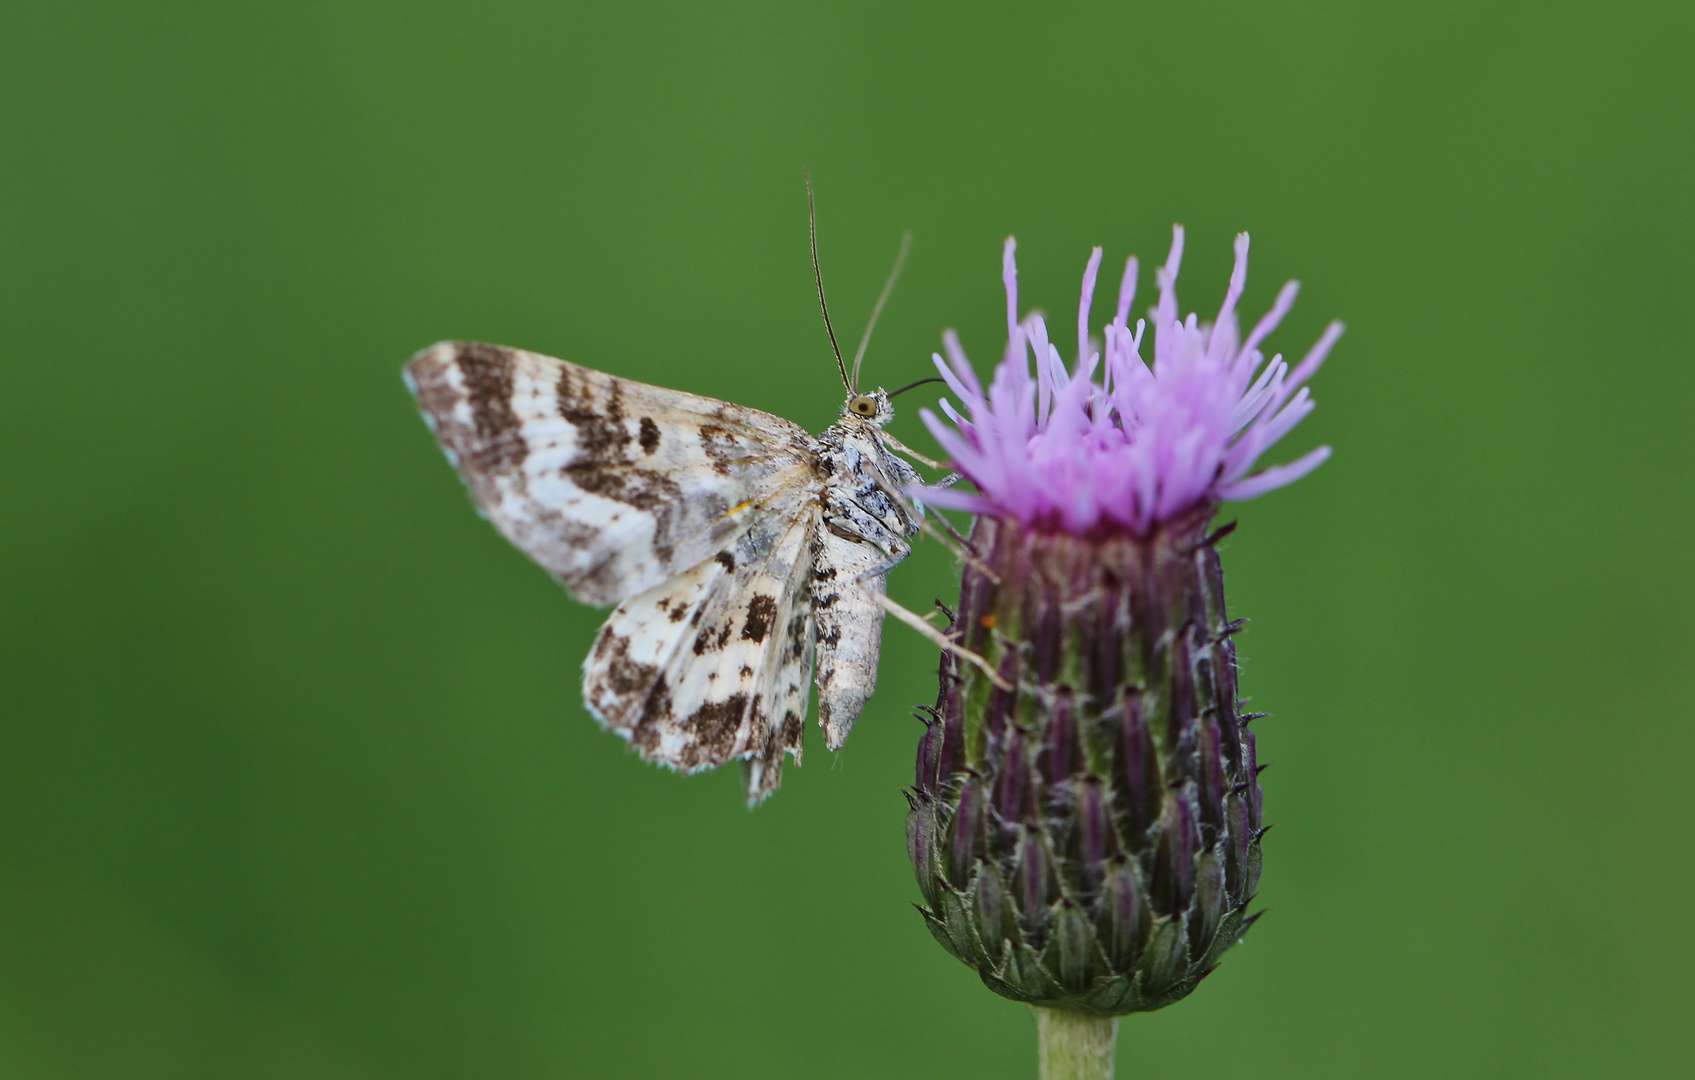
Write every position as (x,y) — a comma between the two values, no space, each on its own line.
(612,485)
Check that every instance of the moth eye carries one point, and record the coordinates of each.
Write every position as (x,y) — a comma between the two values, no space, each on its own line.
(864,406)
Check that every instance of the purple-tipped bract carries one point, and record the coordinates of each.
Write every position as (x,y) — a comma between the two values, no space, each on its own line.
(1144,444)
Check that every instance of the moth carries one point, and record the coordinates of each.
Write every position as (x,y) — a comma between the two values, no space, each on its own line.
(738,548)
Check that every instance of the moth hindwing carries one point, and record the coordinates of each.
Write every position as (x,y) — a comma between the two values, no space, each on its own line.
(737,546)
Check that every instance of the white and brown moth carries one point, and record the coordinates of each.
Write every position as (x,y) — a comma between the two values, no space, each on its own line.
(736,545)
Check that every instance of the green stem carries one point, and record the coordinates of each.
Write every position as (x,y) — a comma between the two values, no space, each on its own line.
(1074,1045)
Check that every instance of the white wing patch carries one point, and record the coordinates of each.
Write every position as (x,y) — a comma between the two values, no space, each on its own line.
(613,486)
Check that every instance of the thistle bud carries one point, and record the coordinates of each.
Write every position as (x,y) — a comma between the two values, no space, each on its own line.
(1086,816)
(1060,866)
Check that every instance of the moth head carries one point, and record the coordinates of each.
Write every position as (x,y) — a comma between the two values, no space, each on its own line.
(873,407)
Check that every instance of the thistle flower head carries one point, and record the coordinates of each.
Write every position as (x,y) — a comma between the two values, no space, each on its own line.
(1140,445)
(1086,818)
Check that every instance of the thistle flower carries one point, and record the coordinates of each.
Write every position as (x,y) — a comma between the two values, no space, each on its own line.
(1086,823)
(1144,445)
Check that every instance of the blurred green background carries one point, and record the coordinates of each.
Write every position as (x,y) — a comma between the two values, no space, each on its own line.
(294,776)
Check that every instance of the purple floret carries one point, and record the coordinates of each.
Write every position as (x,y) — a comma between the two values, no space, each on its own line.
(1143,445)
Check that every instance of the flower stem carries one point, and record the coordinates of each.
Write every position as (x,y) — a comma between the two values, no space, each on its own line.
(1074,1045)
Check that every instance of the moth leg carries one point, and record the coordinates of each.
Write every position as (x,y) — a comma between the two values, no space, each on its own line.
(958,546)
(918,623)
(901,448)
(876,510)
(955,533)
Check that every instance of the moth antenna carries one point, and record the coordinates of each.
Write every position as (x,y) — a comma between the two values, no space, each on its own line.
(888,287)
(818,277)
